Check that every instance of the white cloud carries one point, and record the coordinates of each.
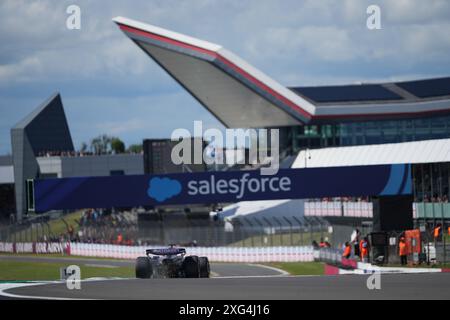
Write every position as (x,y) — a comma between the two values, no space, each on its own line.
(124,126)
(39,46)
(306,42)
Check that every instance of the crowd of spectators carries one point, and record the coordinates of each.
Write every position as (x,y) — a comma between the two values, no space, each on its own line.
(48,154)
(435,199)
(426,198)
(341,199)
(105,227)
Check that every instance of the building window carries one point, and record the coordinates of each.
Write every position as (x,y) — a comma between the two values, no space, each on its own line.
(117,173)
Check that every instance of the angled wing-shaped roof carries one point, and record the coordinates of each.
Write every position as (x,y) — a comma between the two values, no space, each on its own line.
(237,93)
(240,95)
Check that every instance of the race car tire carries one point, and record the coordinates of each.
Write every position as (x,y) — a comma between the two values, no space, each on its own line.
(204,267)
(144,268)
(191,267)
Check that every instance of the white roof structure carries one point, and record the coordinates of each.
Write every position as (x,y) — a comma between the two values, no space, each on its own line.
(427,151)
(241,96)
(264,208)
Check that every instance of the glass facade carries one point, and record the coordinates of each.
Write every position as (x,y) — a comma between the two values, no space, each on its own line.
(369,132)
(431,182)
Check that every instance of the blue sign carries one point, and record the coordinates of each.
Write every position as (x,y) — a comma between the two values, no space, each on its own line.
(220,187)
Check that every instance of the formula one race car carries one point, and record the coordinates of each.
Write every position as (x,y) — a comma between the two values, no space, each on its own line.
(171,263)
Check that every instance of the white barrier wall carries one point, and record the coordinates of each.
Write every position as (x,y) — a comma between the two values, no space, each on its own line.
(347,209)
(35,247)
(216,254)
(337,209)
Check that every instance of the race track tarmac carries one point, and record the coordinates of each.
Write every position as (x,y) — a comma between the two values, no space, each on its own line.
(218,269)
(393,286)
(241,282)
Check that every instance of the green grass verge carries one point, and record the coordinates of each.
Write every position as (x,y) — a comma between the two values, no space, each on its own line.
(33,271)
(294,239)
(300,268)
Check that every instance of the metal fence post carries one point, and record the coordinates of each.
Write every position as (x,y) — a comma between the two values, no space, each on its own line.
(444,245)
(261,228)
(322,229)
(251,235)
(290,230)
(215,239)
(300,229)
(242,231)
(281,231)
(49,231)
(270,232)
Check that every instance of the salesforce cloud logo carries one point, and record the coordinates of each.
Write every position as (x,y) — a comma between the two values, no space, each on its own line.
(163,189)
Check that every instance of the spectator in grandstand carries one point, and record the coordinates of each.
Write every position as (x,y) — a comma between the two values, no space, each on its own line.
(364,249)
(347,251)
(402,251)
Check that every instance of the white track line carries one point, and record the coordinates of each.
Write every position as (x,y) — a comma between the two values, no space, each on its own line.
(270,276)
(8,286)
(282,272)
(249,277)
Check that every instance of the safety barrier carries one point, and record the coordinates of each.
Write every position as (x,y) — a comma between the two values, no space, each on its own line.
(421,210)
(336,264)
(35,247)
(338,209)
(216,254)
(333,257)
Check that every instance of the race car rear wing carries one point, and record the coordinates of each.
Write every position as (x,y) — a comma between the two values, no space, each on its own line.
(166,251)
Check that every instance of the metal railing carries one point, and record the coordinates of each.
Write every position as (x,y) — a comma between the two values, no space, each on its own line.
(242,231)
(30,232)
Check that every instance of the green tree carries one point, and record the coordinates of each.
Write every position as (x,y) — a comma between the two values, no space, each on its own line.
(101,144)
(117,145)
(135,148)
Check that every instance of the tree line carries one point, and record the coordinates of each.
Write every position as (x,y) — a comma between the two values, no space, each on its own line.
(105,144)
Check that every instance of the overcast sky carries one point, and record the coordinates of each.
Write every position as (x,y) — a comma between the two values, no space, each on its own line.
(110,86)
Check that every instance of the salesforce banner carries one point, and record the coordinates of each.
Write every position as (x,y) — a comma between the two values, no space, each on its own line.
(215,187)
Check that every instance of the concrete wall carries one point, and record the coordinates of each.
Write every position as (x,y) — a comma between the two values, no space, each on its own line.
(44,129)
(6,175)
(65,167)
